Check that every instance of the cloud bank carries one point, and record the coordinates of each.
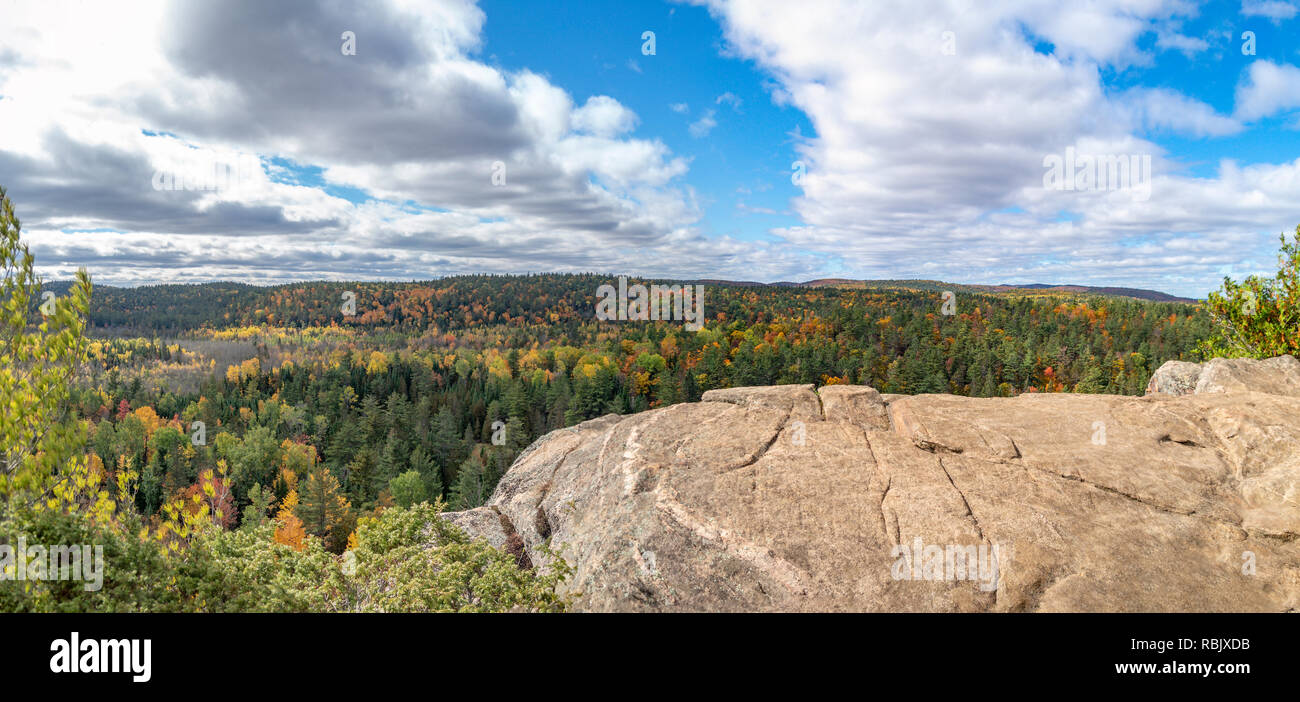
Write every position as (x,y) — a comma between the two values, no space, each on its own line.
(417,158)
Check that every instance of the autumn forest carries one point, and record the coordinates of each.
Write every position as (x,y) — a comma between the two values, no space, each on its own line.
(431,390)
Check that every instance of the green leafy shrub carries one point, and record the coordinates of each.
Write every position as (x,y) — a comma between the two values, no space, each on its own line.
(408,560)
(405,560)
(1258,317)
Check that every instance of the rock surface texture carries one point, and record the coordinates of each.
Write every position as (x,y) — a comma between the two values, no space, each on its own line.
(790,499)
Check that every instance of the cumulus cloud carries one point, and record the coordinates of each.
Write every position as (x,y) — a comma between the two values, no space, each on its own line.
(931,163)
(453,165)
(1189,46)
(603,116)
(1267,89)
(416,158)
(1158,109)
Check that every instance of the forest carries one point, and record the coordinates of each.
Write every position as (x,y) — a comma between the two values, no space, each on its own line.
(430,390)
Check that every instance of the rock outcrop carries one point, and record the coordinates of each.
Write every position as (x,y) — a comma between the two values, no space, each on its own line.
(840,499)
(1278,376)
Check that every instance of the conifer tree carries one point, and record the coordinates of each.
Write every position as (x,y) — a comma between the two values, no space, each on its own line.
(472,487)
(324,511)
(428,471)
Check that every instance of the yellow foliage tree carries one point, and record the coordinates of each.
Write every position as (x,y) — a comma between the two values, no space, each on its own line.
(377,363)
(38,438)
(149,418)
(290,530)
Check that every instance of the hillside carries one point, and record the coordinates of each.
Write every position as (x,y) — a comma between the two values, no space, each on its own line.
(1034,288)
(184,307)
(1135,293)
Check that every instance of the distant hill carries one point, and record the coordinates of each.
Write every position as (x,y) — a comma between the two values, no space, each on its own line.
(459,301)
(232,289)
(935,285)
(1138,293)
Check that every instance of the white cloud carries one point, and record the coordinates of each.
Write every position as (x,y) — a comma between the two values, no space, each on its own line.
(1266,89)
(1189,46)
(731,99)
(412,118)
(701,127)
(923,164)
(603,116)
(1275,10)
(1164,109)
(926,164)
(680,108)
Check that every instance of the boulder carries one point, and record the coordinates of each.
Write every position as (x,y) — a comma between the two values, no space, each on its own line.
(1277,376)
(1175,378)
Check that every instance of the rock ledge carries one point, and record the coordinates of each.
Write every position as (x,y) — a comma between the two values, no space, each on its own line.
(788,498)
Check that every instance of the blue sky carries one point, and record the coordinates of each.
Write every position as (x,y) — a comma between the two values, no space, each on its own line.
(519,137)
(744,160)
(1212,76)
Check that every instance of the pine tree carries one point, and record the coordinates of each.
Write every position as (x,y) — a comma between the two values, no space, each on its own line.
(1094,381)
(398,411)
(255,514)
(359,477)
(346,443)
(491,415)
(392,460)
(472,487)
(149,497)
(447,448)
(516,402)
(324,512)
(428,471)
(517,438)
(374,425)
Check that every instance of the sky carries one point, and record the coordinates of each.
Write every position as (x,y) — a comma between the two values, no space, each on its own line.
(1136,143)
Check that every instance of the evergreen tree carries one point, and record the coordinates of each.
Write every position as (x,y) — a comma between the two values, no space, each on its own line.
(472,487)
(1094,381)
(393,459)
(447,448)
(359,478)
(345,445)
(258,510)
(324,512)
(429,473)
